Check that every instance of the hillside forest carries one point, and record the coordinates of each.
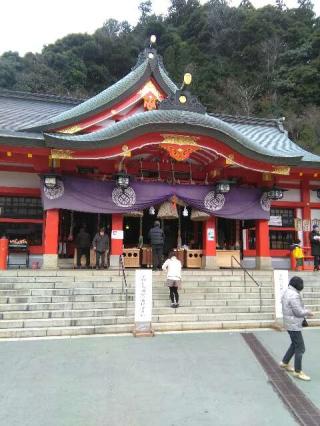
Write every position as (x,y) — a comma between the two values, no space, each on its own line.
(248,61)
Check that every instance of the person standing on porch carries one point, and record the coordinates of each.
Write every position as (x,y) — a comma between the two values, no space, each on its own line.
(101,246)
(173,267)
(83,244)
(315,246)
(156,237)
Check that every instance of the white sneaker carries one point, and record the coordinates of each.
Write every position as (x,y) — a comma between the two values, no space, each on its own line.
(287,367)
(302,376)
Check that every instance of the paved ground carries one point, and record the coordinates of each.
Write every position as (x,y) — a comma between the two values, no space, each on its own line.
(170,380)
(278,343)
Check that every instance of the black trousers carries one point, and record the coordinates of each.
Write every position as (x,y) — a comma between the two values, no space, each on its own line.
(316,261)
(296,348)
(83,252)
(174,295)
(157,256)
(100,257)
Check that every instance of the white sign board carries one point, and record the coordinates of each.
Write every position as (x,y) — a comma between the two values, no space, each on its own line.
(210,234)
(275,221)
(143,300)
(281,280)
(116,234)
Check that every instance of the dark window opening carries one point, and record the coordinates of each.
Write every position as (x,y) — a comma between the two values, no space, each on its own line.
(287,216)
(32,232)
(21,207)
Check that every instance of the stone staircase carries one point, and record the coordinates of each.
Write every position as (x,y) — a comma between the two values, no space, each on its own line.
(43,303)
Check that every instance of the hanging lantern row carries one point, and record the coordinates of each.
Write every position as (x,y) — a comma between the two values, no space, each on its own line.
(152,211)
(275,193)
(122,179)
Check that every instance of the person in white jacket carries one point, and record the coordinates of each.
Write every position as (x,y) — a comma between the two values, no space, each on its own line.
(173,267)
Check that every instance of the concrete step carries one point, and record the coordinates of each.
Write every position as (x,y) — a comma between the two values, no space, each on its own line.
(228,325)
(177,316)
(65,331)
(121,311)
(128,328)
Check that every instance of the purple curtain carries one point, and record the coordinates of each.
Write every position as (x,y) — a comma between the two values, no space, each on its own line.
(87,195)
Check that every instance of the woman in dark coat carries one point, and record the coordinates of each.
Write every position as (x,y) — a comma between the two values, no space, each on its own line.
(315,246)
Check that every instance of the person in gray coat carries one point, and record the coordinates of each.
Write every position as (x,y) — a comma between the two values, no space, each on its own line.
(101,246)
(294,313)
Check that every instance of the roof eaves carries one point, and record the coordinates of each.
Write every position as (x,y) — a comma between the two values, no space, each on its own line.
(177,121)
(40,97)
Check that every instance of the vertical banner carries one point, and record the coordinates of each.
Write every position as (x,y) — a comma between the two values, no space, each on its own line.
(143,303)
(281,280)
(210,234)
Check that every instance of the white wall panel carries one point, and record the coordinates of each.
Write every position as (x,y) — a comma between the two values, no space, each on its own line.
(292,195)
(19,180)
(313,197)
(315,214)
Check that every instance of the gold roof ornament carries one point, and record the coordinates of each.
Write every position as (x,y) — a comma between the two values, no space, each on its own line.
(230,160)
(125,151)
(148,88)
(179,147)
(187,78)
(281,170)
(70,130)
(179,139)
(61,154)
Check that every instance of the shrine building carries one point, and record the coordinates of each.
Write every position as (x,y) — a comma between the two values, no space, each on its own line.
(223,187)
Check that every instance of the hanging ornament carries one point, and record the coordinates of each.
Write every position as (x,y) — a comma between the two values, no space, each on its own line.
(152,211)
(180,153)
(185,212)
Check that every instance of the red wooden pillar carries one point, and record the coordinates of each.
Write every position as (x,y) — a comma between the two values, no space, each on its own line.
(209,243)
(116,239)
(263,258)
(4,244)
(306,211)
(51,235)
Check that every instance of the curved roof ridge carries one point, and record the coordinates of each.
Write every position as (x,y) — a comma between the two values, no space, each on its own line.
(261,145)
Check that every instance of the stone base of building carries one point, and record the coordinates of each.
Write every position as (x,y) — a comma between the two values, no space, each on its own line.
(50,261)
(264,263)
(210,262)
(114,261)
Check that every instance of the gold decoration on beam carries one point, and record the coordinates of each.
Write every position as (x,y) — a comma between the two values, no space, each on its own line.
(179,140)
(281,170)
(125,151)
(230,160)
(29,155)
(266,177)
(179,147)
(71,130)
(61,154)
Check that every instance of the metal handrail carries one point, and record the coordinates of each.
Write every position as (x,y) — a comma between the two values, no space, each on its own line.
(124,288)
(245,273)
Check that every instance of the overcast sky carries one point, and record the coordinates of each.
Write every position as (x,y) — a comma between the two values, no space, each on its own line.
(28,25)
